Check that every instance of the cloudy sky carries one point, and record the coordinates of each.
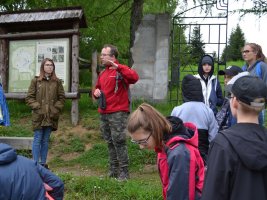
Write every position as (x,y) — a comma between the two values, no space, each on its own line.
(254,28)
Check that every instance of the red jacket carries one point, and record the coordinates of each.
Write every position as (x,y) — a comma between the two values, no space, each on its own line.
(116,101)
(181,167)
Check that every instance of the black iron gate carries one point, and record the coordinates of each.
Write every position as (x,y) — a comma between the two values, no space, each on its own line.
(197,31)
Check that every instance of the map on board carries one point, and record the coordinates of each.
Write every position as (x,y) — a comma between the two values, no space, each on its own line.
(21,66)
(25,59)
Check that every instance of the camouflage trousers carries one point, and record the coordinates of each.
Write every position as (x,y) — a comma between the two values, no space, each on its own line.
(113,130)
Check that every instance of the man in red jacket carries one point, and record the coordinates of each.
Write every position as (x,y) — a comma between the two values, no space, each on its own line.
(112,90)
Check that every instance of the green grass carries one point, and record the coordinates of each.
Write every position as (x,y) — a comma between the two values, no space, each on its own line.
(86,188)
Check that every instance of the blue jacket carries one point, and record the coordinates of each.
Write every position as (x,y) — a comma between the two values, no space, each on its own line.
(4,119)
(23,179)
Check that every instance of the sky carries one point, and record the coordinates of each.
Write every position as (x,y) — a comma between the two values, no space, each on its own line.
(252,26)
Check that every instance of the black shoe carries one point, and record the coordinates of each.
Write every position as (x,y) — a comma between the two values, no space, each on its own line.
(45,166)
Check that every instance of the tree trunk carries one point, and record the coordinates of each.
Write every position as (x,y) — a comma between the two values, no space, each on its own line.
(136,18)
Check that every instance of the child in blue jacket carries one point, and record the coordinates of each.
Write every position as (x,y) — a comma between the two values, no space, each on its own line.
(22,178)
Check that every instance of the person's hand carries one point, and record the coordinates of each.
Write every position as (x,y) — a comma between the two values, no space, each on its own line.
(110,62)
(97,93)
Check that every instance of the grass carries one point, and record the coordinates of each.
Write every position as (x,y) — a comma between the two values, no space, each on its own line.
(81,188)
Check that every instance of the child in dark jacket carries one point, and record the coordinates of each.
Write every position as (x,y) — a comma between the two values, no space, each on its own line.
(179,162)
(211,87)
(224,116)
(237,161)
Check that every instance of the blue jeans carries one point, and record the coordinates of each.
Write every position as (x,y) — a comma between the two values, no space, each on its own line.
(40,144)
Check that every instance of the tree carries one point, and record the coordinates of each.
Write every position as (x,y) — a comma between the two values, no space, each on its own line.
(112,22)
(196,45)
(259,8)
(235,43)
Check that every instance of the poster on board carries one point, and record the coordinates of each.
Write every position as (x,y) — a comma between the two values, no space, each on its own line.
(26,57)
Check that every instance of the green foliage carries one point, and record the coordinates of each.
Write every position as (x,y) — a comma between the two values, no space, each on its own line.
(97,157)
(235,44)
(87,188)
(140,157)
(19,113)
(163,6)
(259,8)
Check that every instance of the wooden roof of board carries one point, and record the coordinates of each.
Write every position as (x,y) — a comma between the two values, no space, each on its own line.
(45,19)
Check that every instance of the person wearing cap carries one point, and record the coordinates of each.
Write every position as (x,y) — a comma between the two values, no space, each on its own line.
(237,162)
(202,116)
(224,116)
(211,87)
(256,65)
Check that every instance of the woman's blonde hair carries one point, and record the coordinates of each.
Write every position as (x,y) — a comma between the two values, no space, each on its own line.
(148,118)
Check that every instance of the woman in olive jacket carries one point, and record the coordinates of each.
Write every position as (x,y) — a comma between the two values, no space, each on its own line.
(46,98)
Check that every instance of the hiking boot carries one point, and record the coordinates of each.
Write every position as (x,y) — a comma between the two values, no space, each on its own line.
(112,174)
(124,174)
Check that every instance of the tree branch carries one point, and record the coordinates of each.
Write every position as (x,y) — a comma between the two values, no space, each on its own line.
(114,10)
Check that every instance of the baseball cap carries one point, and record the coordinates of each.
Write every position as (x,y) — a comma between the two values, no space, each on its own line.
(250,90)
(229,85)
(231,70)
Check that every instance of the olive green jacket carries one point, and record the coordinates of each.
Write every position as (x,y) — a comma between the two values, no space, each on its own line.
(46,99)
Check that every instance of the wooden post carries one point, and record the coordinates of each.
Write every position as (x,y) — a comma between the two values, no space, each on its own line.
(75,75)
(3,61)
(94,73)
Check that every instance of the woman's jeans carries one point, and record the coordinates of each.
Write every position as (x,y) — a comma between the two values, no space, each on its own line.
(40,144)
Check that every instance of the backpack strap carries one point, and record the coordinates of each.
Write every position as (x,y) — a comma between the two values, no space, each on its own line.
(258,70)
(119,77)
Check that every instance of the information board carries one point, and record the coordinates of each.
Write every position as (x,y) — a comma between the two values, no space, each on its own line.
(25,57)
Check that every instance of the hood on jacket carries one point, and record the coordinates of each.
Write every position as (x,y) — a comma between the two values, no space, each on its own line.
(206,59)
(192,89)
(250,145)
(7,154)
(186,131)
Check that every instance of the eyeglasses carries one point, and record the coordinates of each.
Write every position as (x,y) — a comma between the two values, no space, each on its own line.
(229,97)
(49,65)
(104,54)
(246,51)
(141,142)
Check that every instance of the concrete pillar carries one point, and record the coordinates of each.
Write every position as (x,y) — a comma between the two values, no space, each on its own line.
(151,55)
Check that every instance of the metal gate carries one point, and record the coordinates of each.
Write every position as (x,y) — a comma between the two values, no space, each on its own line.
(192,37)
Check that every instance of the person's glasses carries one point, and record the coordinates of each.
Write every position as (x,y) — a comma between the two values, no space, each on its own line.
(229,97)
(49,65)
(246,51)
(141,142)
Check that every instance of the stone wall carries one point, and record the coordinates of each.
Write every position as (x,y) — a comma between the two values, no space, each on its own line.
(151,55)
